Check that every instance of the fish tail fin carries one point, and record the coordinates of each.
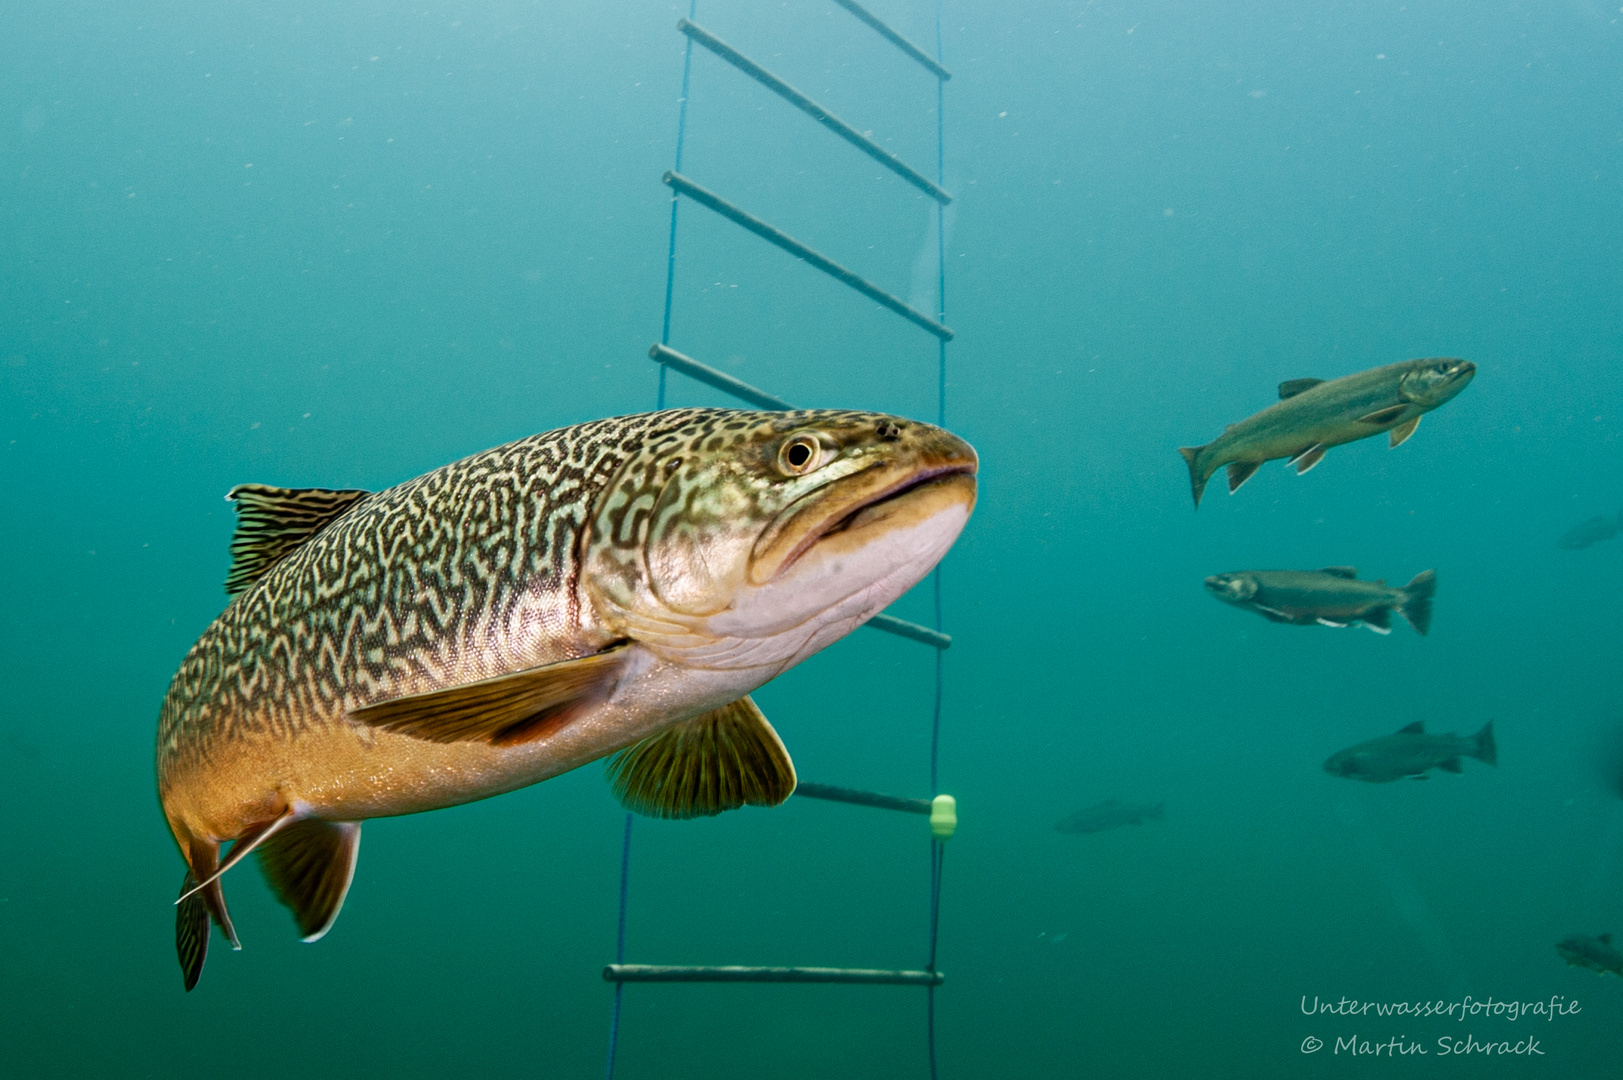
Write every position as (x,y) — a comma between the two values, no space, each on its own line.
(1487,751)
(1416,603)
(1197,482)
(195,910)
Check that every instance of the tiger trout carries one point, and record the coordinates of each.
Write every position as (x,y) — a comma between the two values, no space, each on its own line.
(1313,415)
(613,588)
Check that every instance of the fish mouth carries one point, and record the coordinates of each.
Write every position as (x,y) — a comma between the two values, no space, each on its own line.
(856,508)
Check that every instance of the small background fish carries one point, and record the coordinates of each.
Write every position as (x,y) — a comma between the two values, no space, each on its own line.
(1330,597)
(1598,954)
(1412,753)
(1591,531)
(1110,814)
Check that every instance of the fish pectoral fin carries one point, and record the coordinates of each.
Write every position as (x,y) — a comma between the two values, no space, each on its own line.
(1322,621)
(504,710)
(727,758)
(191,931)
(1340,571)
(1240,472)
(1453,765)
(309,866)
(1308,458)
(1384,416)
(1271,615)
(1416,728)
(1291,387)
(1401,433)
(272,521)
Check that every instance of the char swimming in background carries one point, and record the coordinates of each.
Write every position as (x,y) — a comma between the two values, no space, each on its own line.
(1111,814)
(1313,415)
(618,586)
(1330,597)
(1592,531)
(1412,753)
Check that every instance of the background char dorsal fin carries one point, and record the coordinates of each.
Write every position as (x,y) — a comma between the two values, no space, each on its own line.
(504,710)
(1416,728)
(272,521)
(722,760)
(309,866)
(1340,571)
(1291,387)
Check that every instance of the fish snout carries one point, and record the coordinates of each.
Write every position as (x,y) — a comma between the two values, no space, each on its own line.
(1231,588)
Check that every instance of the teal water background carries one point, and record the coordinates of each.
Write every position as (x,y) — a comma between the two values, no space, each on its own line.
(342,243)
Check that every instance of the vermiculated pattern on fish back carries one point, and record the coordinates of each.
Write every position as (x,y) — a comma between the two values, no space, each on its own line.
(470,556)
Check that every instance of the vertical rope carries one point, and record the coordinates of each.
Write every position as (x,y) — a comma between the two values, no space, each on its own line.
(670,257)
(937,852)
(619,948)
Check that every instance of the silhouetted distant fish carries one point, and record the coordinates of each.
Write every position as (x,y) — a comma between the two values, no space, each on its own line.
(1331,597)
(1589,532)
(1411,752)
(1313,415)
(1598,954)
(1111,814)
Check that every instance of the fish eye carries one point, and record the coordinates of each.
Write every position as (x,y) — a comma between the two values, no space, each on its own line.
(800,455)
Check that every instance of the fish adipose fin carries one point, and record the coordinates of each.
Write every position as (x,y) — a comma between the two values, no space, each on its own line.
(1240,472)
(1401,433)
(1416,728)
(1378,620)
(1340,571)
(505,710)
(1416,603)
(1197,482)
(722,760)
(309,866)
(1487,750)
(272,521)
(1453,765)
(1306,459)
(1291,387)
(1384,416)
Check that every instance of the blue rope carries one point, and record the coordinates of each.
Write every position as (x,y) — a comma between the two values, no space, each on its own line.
(619,948)
(670,258)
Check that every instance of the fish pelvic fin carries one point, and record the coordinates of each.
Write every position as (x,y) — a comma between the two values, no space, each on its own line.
(505,710)
(1306,459)
(1416,603)
(272,521)
(1486,750)
(1452,765)
(310,865)
(1400,434)
(1240,472)
(721,760)
(1197,482)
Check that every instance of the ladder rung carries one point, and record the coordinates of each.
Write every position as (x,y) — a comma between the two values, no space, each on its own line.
(706,197)
(806,105)
(890,624)
(862,798)
(664,354)
(624,973)
(896,39)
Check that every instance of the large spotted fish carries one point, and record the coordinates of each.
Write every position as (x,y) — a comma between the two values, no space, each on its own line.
(617,587)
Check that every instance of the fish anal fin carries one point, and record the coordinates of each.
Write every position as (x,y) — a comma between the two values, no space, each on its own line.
(1291,387)
(1401,433)
(1381,417)
(1453,765)
(1416,728)
(1309,457)
(1340,571)
(504,710)
(722,760)
(1239,472)
(272,521)
(1378,620)
(309,866)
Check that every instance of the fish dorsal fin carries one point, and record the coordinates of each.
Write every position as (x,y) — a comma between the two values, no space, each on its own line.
(309,866)
(1605,939)
(724,759)
(504,710)
(1340,571)
(1240,472)
(1416,728)
(1400,434)
(1291,387)
(272,521)
(1384,416)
